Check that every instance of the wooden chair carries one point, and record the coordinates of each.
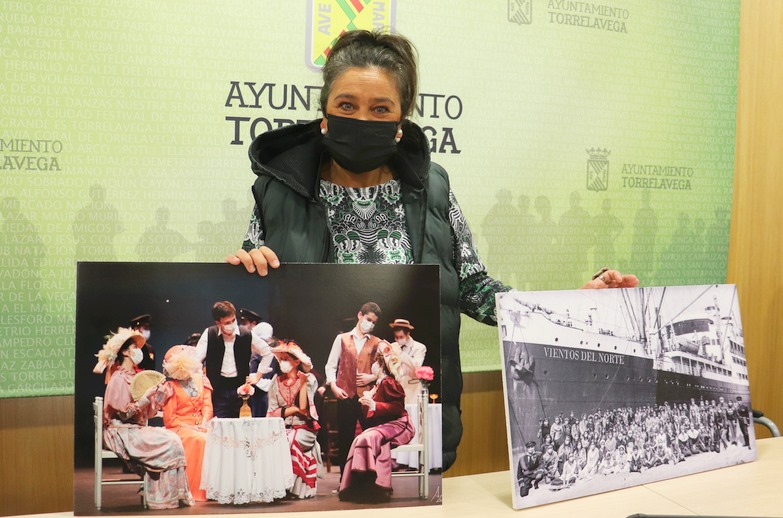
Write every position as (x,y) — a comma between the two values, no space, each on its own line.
(101,453)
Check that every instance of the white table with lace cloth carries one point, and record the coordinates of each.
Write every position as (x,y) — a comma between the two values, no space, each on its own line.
(246,460)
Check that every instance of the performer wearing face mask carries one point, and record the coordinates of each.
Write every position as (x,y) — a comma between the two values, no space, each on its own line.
(411,354)
(224,350)
(291,399)
(142,324)
(153,452)
(349,373)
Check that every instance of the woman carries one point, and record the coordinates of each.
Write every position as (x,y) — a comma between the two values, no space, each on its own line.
(563,452)
(550,464)
(570,470)
(635,461)
(290,399)
(358,186)
(155,453)
(367,473)
(187,410)
(621,460)
(593,460)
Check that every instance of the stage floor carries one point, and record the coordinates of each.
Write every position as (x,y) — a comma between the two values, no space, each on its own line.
(125,500)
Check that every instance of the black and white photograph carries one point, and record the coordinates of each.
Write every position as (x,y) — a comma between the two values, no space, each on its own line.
(606,389)
(205,389)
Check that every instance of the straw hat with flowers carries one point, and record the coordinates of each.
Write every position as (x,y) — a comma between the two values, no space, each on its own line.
(292,349)
(108,353)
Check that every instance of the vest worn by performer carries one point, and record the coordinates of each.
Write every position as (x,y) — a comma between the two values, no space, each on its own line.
(351,364)
(216,349)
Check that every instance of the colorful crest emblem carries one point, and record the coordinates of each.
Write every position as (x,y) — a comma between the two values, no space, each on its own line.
(598,169)
(327,19)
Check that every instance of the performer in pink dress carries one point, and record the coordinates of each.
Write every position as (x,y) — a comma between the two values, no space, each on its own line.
(187,410)
(386,425)
(152,452)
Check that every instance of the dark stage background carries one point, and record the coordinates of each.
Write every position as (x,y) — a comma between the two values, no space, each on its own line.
(310,303)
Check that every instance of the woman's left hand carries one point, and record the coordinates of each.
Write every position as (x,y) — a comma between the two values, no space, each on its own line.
(611,279)
(369,403)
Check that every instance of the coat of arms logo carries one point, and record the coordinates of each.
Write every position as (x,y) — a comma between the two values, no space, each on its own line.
(327,19)
(598,169)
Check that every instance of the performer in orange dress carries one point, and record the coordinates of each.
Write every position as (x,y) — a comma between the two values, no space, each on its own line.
(187,409)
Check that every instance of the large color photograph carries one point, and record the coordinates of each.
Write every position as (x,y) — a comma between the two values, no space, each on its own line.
(204,388)
(608,389)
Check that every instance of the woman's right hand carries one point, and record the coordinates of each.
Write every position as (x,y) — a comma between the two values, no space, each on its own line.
(256,260)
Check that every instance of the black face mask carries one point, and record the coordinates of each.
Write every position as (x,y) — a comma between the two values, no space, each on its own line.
(358,145)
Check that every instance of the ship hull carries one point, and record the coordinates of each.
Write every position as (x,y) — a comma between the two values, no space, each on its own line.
(675,387)
(562,380)
(566,380)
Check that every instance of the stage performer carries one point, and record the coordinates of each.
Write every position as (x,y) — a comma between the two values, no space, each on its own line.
(290,399)
(349,374)
(187,410)
(152,452)
(386,425)
(224,350)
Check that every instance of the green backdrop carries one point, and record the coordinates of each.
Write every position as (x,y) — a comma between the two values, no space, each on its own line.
(576,134)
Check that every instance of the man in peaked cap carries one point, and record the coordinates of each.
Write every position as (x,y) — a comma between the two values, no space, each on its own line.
(142,324)
(266,367)
(745,420)
(249,319)
(529,472)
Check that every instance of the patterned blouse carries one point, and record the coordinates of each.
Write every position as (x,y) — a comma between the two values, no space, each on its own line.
(367,225)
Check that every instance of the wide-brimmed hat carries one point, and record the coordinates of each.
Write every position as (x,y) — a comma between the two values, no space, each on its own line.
(401,322)
(294,350)
(108,353)
(390,351)
(180,362)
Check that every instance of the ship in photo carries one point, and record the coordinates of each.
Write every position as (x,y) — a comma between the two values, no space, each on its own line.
(589,351)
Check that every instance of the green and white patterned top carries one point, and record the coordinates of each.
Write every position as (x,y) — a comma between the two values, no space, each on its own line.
(367,225)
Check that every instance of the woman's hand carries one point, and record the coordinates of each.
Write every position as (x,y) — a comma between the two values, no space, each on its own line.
(256,260)
(155,392)
(611,279)
(368,402)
